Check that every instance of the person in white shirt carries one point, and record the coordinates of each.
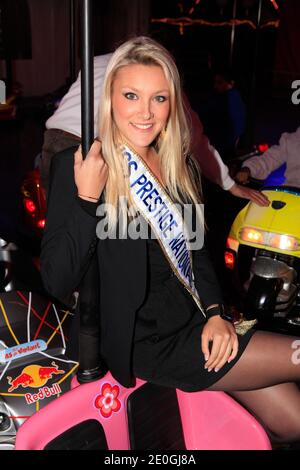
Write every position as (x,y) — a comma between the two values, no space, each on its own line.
(288,151)
(63,130)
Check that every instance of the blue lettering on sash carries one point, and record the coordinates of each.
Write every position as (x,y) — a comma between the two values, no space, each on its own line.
(164,206)
(169,227)
(178,246)
(150,196)
(158,199)
(184,263)
(183,260)
(131,163)
(186,266)
(182,256)
(148,186)
(181,250)
(190,275)
(175,240)
(161,213)
(163,224)
(141,181)
(163,217)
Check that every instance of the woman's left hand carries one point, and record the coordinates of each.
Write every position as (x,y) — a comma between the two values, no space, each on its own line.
(224,343)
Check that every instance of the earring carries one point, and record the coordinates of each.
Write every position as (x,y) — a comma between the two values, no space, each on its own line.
(162,133)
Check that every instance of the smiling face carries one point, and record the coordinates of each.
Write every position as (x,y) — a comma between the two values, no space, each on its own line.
(140,104)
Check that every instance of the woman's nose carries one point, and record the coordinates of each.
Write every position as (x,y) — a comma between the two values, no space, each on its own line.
(145,111)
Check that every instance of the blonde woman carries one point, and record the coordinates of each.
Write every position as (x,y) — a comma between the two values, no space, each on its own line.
(161,307)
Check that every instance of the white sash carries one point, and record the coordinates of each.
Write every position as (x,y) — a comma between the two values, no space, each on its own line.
(164,218)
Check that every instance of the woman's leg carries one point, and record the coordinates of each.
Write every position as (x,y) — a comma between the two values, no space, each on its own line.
(277,408)
(269,359)
(262,381)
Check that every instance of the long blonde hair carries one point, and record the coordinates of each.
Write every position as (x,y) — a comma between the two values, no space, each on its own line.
(173,147)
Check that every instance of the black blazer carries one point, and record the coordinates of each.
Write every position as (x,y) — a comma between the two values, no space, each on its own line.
(67,248)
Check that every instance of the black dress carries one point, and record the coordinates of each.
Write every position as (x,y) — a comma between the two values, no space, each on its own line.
(167,339)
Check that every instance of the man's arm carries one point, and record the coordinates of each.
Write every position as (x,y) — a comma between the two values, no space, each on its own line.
(260,167)
(210,162)
(212,165)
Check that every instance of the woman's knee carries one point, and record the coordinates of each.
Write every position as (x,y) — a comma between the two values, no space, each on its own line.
(286,432)
(277,408)
(283,424)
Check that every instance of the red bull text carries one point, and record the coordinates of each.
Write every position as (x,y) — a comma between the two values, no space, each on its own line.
(44,392)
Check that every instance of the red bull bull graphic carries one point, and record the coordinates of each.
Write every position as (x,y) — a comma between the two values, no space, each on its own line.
(47,372)
(34,376)
(23,379)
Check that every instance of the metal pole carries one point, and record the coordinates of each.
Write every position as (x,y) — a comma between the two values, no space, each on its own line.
(252,108)
(91,365)
(87,80)
(72,51)
(232,39)
(256,45)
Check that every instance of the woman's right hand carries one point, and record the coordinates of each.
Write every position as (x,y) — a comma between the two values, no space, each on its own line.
(91,173)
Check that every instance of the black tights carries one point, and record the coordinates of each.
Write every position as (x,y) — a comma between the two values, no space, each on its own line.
(263,380)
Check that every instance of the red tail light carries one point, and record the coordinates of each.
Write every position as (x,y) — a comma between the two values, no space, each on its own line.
(229,259)
(29,205)
(263,147)
(41,223)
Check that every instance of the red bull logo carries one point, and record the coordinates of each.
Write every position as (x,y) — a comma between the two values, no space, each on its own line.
(34,376)
(44,392)
(47,372)
(23,379)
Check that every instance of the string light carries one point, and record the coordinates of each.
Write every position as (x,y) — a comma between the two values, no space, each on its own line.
(275,4)
(186,21)
(194,7)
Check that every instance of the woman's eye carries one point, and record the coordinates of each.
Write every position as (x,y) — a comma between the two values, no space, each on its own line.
(161,99)
(130,96)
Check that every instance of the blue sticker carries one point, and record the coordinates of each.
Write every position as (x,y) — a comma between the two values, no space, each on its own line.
(22,350)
